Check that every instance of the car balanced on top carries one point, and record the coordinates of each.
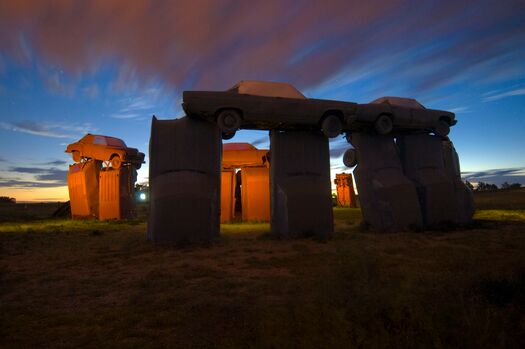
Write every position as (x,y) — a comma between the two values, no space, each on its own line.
(263,105)
(104,148)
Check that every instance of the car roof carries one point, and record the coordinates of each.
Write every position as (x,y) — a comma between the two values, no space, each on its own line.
(399,102)
(238,146)
(103,140)
(266,89)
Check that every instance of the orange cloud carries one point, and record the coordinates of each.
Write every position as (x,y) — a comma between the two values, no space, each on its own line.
(212,44)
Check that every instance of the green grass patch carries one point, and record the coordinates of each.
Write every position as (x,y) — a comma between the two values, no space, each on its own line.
(500,215)
(245,228)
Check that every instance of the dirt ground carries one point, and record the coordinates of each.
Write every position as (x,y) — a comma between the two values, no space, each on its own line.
(91,284)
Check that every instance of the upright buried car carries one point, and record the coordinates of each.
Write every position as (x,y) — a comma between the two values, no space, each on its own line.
(266,105)
(105,148)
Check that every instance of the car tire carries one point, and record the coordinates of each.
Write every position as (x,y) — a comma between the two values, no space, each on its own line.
(383,125)
(229,121)
(331,126)
(350,157)
(76,156)
(138,166)
(442,128)
(116,162)
(227,136)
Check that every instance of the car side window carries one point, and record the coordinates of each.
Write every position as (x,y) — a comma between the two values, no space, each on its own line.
(99,140)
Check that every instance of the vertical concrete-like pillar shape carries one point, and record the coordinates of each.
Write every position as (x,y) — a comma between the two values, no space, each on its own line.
(227,195)
(464,195)
(436,177)
(256,194)
(116,193)
(300,199)
(82,180)
(388,199)
(345,190)
(185,181)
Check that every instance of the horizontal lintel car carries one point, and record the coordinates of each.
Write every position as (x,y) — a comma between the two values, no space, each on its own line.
(263,105)
(105,148)
(401,115)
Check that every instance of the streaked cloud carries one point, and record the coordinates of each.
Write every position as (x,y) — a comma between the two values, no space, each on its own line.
(54,82)
(123,115)
(212,44)
(500,95)
(497,176)
(33,128)
(55,162)
(262,141)
(45,176)
(55,175)
(21,184)
(90,91)
(46,129)
(139,104)
(461,110)
(31,170)
(519,171)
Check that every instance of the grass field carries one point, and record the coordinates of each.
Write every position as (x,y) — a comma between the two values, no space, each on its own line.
(90,284)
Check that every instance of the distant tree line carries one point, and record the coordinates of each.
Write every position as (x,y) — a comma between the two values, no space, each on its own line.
(482,186)
(7,200)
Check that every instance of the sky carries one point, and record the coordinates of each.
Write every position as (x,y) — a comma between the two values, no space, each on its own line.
(106,66)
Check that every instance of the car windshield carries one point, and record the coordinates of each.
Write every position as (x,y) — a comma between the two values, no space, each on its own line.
(267,89)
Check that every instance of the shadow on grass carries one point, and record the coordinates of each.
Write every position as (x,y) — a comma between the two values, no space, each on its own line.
(501,291)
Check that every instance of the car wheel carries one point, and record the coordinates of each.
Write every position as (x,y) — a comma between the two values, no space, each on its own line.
(442,128)
(116,162)
(331,126)
(76,156)
(383,125)
(227,136)
(229,121)
(138,166)
(350,158)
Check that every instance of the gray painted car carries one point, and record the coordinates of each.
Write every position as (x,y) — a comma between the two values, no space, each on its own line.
(263,105)
(267,105)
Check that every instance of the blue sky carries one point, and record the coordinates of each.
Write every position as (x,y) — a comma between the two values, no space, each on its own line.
(71,67)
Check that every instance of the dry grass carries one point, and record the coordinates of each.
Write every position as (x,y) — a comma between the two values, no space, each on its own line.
(97,285)
(26,212)
(509,199)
